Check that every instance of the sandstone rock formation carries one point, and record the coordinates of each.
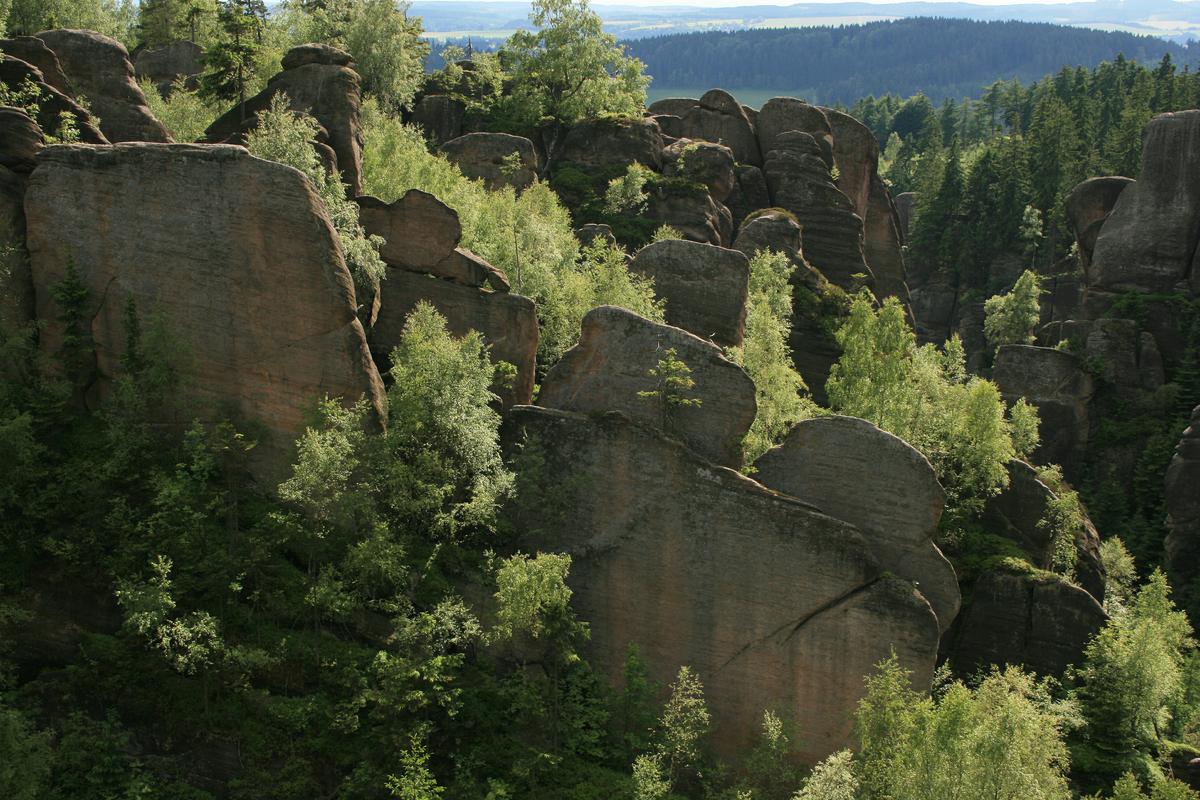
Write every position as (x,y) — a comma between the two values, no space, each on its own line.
(612,363)
(440,116)
(612,142)
(704,287)
(1088,206)
(1127,360)
(267,329)
(16,283)
(771,229)
(1017,513)
(99,69)
(1038,622)
(483,156)
(827,461)
(882,244)
(33,51)
(1149,241)
(165,64)
(718,118)
(704,162)
(419,231)
(1183,513)
(750,193)
(672,106)
(20,140)
(52,103)
(507,322)
(781,115)
(905,204)
(773,604)
(324,88)
(692,212)
(316,53)
(856,153)
(1056,382)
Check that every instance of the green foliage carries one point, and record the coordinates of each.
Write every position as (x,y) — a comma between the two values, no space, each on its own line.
(1120,574)
(672,382)
(185,114)
(665,232)
(685,722)
(287,137)
(1064,517)
(532,595)
(230,61)
(25,756)
(831,779)
(569,68)
(1012,318)
(115,18)
(1128,787)
(63,129)
(626,193)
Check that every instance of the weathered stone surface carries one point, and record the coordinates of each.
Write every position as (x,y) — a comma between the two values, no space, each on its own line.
(771,229)
(856,153)
(718,118)
(586,234)
(52,103)
(1017,513)
(1183,514)
(692,212)
(703,162)
(750,193)
(419,230)
(1040,623)
(673,106)
(440,116)
(773,604)
(482,156)
(238,255)
(99,69)
(827,461)
(612,363)
(33,51)
(1057,383)
(463,266)
(1149,241)
(1128,360)
(780,115)
(704,287)
(20,140)
(329,93)
(167,63)
(508,322)
(316,53)
(800,181)
(671,126)
(1088,206)
(905,203)
(16,282)
(722,101)
(882,244)
(612,142)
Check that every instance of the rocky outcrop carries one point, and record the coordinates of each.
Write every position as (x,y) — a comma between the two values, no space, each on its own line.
(611,142)
(507,322)
(718,118)
(440,116)
(316,53)
(99,69)
(20,140)
(800,181)
(612,364)
(52,104)
(167,63)
(1034,621)
(771,229)
(856,154)
(1149,241)
(691,211)
(773,604)
(1125,359)
(1088,206)
(1183,514)
(487,157)
(672,106)
(704,287)
(1018,512)
(236,253)
(782,115)
(419,231)
(1058,384)
(905,203)
(703,162)
(750,193)
(882,244)
(16,283)
(324,89)
(586,234)
(827,461)
(36,53)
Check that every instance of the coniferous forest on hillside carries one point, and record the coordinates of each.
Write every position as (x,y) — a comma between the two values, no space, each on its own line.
(486,432)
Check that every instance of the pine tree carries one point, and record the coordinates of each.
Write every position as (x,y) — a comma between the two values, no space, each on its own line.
(229,62)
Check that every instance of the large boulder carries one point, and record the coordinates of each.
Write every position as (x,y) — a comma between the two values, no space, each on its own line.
(1088,206)
(235,253)
(33,51)
(672,106)
(781,115)
(98,68)
(486,157)
(773,604)
(771,229)
(52,104)
(704,287)
(330,92)
(165,64)
(801,182)
(690,210)
(1123,357)
(419,231)
(827,461)
(750,193)
(1183,515)
(1058,383)
(703,162)
(1035,621)
(856,153)
(718,118)
(1018,513)
(20,140)
(316,53)
(507,322)
(440,116)
(1149,241)
(612,142)
(611,366)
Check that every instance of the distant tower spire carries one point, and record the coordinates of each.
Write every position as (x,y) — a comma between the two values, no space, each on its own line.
(470,49)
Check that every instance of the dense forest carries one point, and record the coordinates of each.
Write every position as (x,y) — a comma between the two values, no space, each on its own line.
(939,57)
(218,580)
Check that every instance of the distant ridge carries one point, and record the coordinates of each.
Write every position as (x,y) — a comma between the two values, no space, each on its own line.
(937,56)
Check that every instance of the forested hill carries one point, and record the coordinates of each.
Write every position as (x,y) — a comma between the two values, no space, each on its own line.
(940,57)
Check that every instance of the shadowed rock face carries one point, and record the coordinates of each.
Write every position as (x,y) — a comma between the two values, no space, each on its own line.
(881,244)
(508,323)
(773,604)
(33,51)
(327,91)
(482,156)
(16,284)
(238,256)
(780,115)
(440,116)
(1088,206)
(20,140)
(52,103)
(1017,513)
(771,230)
(693,213)
(856,153)
(1041,624)
(704,162)
(717,117)
(612,363)
(1056,382)
(750,193)
(1183,511)
(828,460)
(419,231)
(612,142)
(1149,241)
(99,69)
(166,63)
(704,287)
